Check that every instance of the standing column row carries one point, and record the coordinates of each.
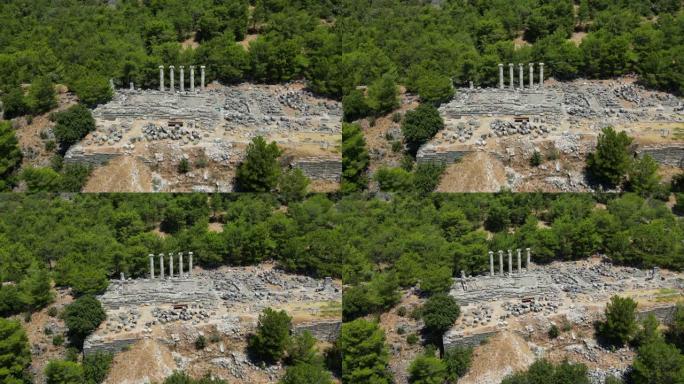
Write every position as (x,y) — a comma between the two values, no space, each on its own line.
(510,262)
(521,75)
(180,265)
(182,78)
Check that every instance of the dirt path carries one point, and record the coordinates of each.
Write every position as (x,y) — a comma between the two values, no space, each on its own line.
(510,354)
(124,174)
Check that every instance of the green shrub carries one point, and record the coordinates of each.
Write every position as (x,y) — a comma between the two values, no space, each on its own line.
(184,166)
(200,342)
(554,332)
(401,311)
(536,159)
(412,339)
(57,340)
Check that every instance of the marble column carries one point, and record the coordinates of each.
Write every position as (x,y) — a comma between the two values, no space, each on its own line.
(132,87)
(180,264)
(182,78)
(190,266)
(151,256)
(541,75)
(501,76)
(491,263)
(161,266)
(111,85)
(161,78)
(510,263)
(531,75)
(528,259)
(522,75)
(202,67)
(192,78)
(501,269)
(170,265)
(171,68)
(519,261)
(510,75)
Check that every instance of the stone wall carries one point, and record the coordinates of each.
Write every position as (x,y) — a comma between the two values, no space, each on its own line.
(668,155)
(94,344)
(664,314)
(447,157)
(76,155)
(468,340)
(318,168)
(324,331)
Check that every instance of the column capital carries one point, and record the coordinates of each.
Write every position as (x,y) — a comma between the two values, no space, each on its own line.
(181,66)
(171,67)
(510,64)
(531,65)
(192,67)
(161,67)
(203,66)
(541,64)
(500,64)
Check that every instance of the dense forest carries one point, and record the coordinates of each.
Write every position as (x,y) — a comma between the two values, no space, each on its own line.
(337,45)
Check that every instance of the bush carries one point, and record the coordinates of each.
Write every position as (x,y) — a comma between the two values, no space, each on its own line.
(63,372)
(434,88)
(272,335)
(364,354)
(200,342)
(412,339)
(41,97)
(10,154)
(396,146)
(394,179)
(620,324)
(292,185)
(41,179)
(15,355)
(658,362)
(184,166)
(82,317)
(355,158)
(14,103)
(536,159)
(96,367)
(202,161)
(427,176)
(610,162)
(420,125)
(93,90)
(354,106)
(74,177)
(57,340)
(401,311)
(554,332)
(302,350)
(50,145)
(458,360)
(259,171)
(427,369)
(439,313)
(305,373)
(72,125)
(383,96)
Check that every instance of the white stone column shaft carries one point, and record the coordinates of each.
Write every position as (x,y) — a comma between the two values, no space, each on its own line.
(491,263)
(170,265)
(510,75)
(151,256)
(531,75)
(202,77)
(501,268)
(501,76)
(182,79)
(190,266)
(192,78)
(541,75)
(171,77)
(528,259)
(161,78)
(132,87)
(180,264)
(519,261)
(510,263)
(522,80)
(161,266)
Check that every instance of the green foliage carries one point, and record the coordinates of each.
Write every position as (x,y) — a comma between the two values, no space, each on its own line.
(305,373)
(675,331)
(658,362)
(427,369)
(272,335)
(427,176)
(554,332)
(620,324)
(183,166)
(536,159)
(355,158)
(15,356)
(57,340)
(96,367)
(302,350)
(93,90)
(439,313)
(41,179)
(412,339)
(648,332)
(394,180)
(259,171)
(365,357)
(643,176)
(182,378)
(41,97)
(292,185)
(10,154)
(611,161)
(383,96)
(82,317)
(420,125)
(354,105)
(434,88)
(200,342)
(458,360)
(545,372)
(14,103)
(72,125)
(63,372)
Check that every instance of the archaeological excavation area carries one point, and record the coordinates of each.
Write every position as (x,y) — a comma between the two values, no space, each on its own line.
(495,131)
(516,303)
(142,136)
(162,316)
